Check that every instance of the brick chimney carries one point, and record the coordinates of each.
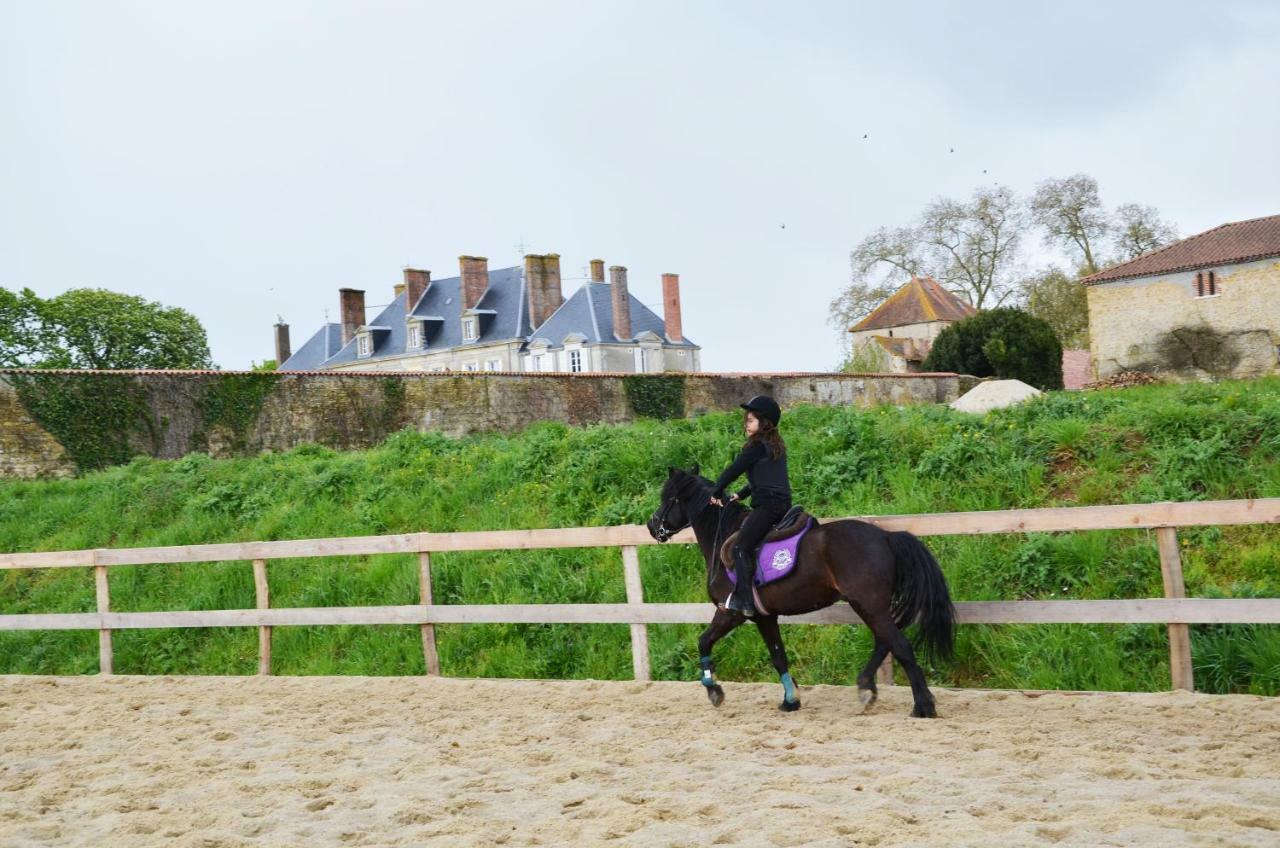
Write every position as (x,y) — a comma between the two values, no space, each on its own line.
(351,307)
(416,283)
(542,279)
(671,307)
(475,279)
(621,303)
(597,270)
(283,350)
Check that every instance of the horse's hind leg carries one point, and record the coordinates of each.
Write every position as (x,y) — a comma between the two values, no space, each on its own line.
(722,624)
(768,626)
(867,677)
(886,631)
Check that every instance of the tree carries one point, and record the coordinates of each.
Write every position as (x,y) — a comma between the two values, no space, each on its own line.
(970,248)
(1137,229)
(1059,299)
(1006,343)
(95,328)
(19,328)
(1072,216)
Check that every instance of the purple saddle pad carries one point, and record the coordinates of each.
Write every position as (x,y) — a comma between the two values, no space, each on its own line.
(777,559)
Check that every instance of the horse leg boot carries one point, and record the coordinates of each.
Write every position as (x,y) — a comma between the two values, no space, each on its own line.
(741,599)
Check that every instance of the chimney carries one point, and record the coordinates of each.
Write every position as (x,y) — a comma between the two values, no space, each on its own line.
(671,307)
(351,307)
(621,303)
(475,279)
(597,270)
(542,279)
(283,351)
(397,290)
(416,283)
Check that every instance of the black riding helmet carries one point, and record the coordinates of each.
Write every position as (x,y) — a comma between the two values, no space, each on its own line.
(765,407)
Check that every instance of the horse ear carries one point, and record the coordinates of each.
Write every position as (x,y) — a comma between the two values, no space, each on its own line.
(696,468)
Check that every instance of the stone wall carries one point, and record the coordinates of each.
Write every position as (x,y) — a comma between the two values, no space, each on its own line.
(1159,325)
(55,423)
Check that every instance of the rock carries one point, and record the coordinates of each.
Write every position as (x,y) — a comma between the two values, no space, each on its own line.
(994,394)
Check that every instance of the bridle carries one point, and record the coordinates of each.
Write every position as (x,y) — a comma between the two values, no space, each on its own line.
(664,533)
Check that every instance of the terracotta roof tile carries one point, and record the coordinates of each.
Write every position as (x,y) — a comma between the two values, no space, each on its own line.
(921,300)
(1241,241)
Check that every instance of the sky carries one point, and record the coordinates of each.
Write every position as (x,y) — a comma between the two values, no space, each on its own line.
(245,160)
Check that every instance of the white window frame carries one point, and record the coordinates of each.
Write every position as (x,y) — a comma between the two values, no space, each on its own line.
(473,366)
(538,359)
(469,330)
(637,354)
(415,336)
(493,365)
(363,345)
(575,360)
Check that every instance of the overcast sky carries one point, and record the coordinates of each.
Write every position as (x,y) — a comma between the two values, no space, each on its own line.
(245,160)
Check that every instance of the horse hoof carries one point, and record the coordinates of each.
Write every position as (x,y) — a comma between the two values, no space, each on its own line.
(924,711)
(867,697)
(789,706)
(716,695)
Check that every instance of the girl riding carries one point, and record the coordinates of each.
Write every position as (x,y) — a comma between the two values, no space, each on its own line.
(764,460)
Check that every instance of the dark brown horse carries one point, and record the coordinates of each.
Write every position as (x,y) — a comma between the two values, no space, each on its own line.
(889,578)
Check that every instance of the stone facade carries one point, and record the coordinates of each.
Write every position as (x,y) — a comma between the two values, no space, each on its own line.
(1159,324)
(350,411)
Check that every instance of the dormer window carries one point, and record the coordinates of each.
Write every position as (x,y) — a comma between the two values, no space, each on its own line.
(415,336)
(469,333)
(364,345)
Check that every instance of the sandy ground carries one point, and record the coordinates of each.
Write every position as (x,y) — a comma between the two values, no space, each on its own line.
(138,761)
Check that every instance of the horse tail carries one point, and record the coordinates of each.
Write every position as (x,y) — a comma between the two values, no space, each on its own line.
(920,597)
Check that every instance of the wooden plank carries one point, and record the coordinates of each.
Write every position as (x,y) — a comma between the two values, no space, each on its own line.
(1180,672)
(1142,611)
(430,655)
(106,663)
(635,597)
(263,596)
(1125,516)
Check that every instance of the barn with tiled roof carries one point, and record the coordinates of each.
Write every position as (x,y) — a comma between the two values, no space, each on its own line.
(898,333)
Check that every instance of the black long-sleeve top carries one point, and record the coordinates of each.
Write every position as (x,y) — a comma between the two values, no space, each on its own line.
(766,477)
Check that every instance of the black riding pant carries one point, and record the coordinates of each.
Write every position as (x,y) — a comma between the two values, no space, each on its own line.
(760,521)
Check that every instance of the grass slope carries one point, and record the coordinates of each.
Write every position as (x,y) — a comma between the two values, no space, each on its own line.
(1184,442)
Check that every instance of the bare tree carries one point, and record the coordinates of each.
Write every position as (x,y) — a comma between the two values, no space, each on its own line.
(880,264)
(972,247)
(1072,215)
(1137,229)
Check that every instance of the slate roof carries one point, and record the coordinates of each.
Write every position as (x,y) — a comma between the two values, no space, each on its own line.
(503,313)
(1241,241)
(589,312)
(920,301)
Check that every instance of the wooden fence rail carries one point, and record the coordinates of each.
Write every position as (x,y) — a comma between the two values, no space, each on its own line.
(1174,610)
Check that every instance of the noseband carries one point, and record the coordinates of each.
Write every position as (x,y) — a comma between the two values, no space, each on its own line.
(664,532)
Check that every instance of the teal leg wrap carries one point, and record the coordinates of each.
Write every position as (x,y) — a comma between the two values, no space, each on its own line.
(708,671)
(788,687)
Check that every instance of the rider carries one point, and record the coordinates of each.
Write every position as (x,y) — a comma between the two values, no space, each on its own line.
(764,460)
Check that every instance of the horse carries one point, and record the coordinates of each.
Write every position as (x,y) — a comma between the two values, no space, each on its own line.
(890,579)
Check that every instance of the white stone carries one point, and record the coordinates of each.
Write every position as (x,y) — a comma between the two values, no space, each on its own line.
(994,394)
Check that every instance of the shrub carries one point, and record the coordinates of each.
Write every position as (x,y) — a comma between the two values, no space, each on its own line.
(1006,343)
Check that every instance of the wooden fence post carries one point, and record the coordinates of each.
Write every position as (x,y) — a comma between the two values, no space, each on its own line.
(429,654)
(1179,634)
(105,662)
(635,595)
(264,602)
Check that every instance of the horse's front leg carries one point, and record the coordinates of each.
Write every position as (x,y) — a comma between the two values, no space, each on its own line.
(772,635)
(722,624)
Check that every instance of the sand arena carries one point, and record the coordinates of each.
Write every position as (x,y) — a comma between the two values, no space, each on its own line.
(211,762)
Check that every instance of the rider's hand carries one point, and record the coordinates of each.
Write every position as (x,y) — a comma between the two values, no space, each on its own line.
(716,501)
(733,498)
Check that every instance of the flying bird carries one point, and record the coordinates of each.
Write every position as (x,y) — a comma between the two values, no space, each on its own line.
(953,150)
(864,135)
(784,226)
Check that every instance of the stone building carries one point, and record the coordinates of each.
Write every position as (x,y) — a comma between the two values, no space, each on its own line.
(1204,307)
(897,335)
(509,319)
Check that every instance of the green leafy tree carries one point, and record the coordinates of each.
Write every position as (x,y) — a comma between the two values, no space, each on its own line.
(1059,299)
(19,328)
(1006,343)
(95,328)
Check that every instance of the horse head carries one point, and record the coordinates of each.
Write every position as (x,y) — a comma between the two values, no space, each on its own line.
(676,511)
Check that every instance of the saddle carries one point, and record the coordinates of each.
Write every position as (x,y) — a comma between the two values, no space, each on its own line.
(794,523)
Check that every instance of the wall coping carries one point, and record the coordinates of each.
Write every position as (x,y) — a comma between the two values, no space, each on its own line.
(576,375)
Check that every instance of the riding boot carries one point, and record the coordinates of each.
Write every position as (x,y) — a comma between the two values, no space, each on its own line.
(742,600)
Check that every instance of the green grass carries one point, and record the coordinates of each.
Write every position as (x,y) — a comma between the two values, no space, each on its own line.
(1183,443)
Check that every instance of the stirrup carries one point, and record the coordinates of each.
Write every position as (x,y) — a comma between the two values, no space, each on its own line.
(734,605)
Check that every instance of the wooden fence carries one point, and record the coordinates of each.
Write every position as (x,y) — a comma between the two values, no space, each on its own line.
(1174,609)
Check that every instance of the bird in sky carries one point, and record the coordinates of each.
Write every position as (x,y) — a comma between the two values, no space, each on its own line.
(953,150)
(784,226)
